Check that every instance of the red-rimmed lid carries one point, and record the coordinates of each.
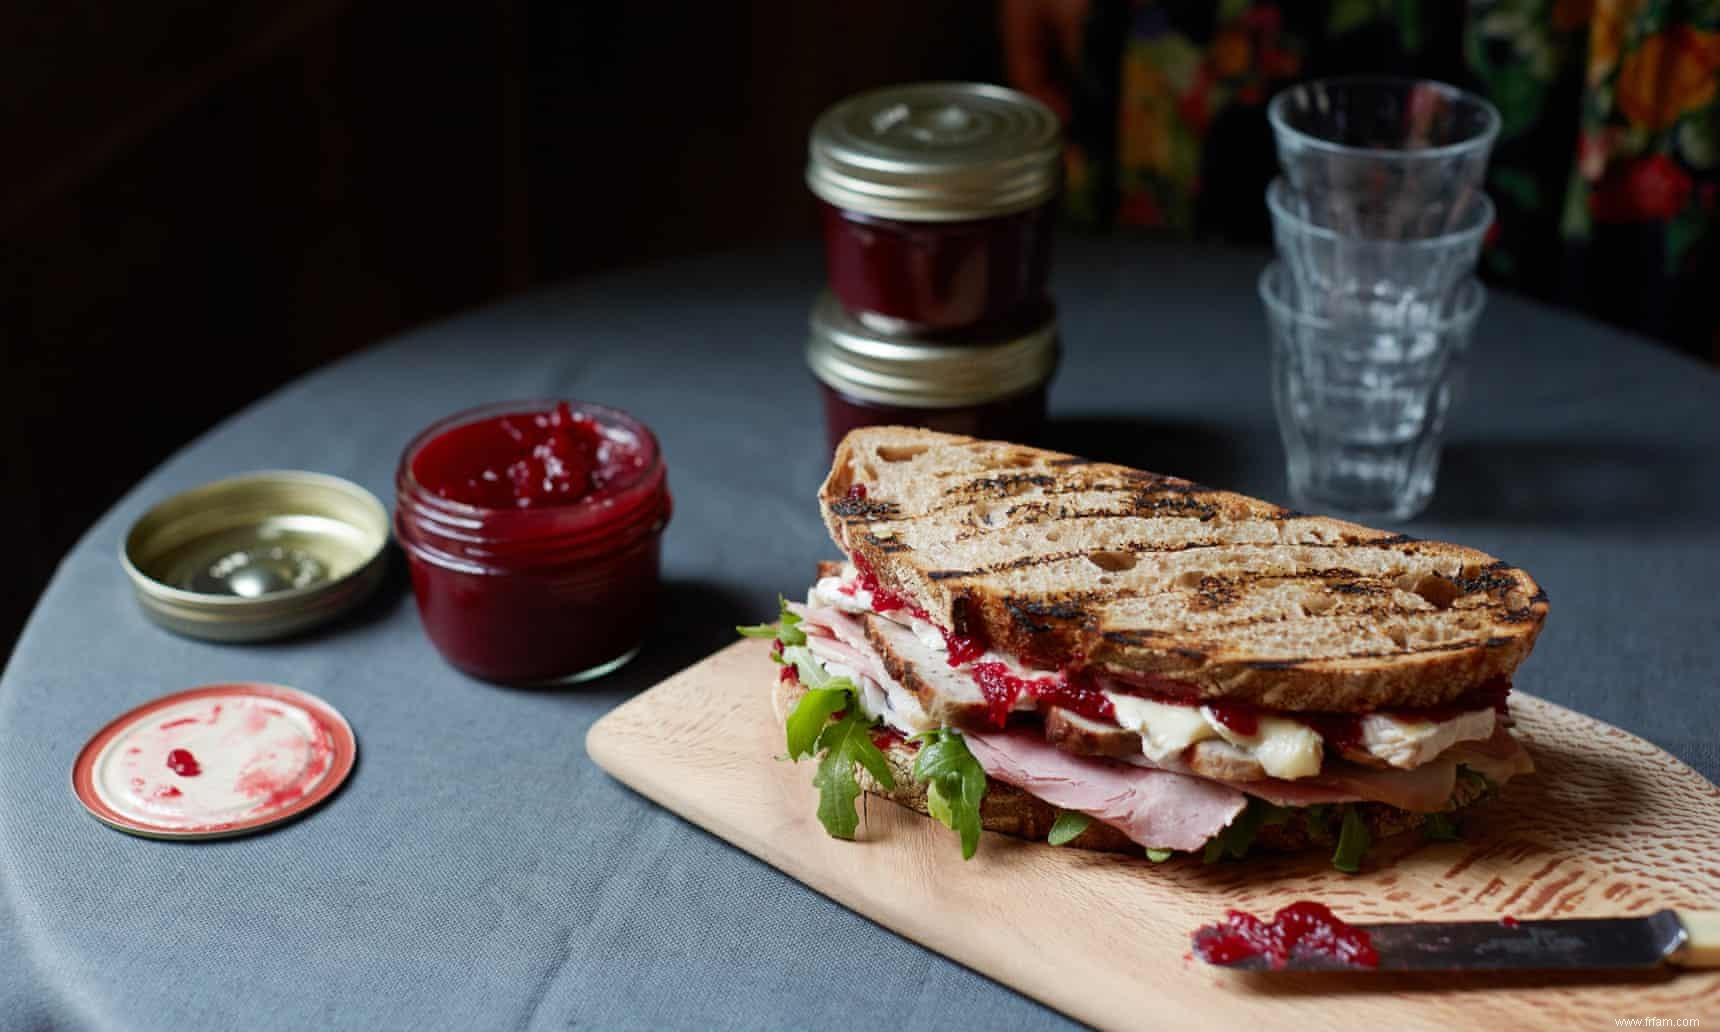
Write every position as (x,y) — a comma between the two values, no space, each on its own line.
(215,761)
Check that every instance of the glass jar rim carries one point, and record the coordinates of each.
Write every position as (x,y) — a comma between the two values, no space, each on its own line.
(1277,115)
(574,516)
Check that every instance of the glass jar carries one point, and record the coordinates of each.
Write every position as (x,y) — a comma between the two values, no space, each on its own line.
(937,204)
(992,387)
(556,590)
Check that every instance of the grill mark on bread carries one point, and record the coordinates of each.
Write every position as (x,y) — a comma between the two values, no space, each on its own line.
(1149,491)
(1028,613)
(1292,662)
(1356,588)
(1177,504)
(1132,635)
(1215,593)
(869,510)
(1146,548)
(889,546)
(1006,485)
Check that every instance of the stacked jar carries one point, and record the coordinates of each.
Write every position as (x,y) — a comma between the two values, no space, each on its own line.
(938,203)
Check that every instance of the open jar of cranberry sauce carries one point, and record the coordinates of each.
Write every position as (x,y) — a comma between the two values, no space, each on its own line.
(937,203)
(991,386)
(532,530)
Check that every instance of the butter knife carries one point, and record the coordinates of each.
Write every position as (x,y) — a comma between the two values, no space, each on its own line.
(1685,938)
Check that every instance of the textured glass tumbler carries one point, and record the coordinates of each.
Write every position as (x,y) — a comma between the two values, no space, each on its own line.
(1328,264)
(1385,158)
(1362,393)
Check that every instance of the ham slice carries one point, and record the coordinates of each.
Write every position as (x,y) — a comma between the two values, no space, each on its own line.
(1423,790)
(1156,808)
(1498,758)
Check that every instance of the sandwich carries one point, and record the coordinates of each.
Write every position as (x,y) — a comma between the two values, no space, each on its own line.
(1026,642)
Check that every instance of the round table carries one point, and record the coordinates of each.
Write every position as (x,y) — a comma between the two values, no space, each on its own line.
(480,872)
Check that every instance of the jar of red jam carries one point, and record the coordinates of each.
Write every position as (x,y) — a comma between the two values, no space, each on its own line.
(982,386)
(937,204)
(532,530)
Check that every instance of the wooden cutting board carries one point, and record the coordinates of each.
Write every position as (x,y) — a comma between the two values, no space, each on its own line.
(1609,825)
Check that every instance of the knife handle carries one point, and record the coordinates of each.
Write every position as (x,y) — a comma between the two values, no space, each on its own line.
(1701,947)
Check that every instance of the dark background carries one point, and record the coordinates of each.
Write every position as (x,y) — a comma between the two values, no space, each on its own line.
(203,201)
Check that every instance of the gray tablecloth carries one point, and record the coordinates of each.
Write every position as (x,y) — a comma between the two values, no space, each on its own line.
(480,872)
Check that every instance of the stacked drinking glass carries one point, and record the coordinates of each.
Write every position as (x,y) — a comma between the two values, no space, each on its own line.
(1379,218)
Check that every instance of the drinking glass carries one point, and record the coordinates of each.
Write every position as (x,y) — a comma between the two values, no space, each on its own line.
(1362,386)
(1331,265)
(1384,158)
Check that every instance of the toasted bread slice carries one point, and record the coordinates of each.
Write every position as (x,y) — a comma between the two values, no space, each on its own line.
(1010,811)
(1060,561)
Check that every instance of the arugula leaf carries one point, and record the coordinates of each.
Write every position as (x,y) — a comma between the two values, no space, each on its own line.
(1069,825)
(788,631)
(844,743)
(1314,821)
(955,784)
(837,787)
(1236,838)
(812,672)
(806,723)
(785,630)
(1159,856)
(810,730)
(1489,787)
(1353,842)
(1439,827)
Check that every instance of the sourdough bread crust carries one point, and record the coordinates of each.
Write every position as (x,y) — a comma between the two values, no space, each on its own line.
(1283,610)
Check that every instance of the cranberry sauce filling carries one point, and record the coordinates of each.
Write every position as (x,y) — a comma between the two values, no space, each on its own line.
(884,600)
(1239,717)
(1076,692)
(961,648)
(1000,688)
(1308,927)
(1079,693)
(886,737)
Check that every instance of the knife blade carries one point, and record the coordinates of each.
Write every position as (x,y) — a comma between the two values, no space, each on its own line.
(1687,938)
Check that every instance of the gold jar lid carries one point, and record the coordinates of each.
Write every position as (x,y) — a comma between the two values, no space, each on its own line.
(853,359)
(258,556)
(936,152)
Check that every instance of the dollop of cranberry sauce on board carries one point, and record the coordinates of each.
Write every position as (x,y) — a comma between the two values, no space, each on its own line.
(182,763)
(525,460)
(1305,926)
